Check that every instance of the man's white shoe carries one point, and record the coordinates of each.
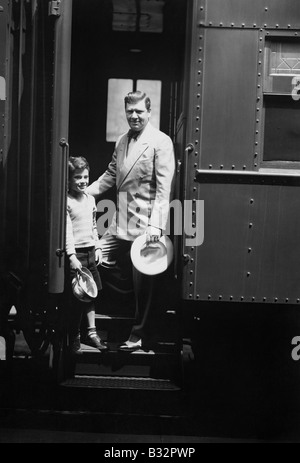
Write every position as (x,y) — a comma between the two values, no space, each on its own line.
(130,346)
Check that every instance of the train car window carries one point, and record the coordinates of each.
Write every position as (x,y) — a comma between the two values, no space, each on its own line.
(143,16)
(282,101)
(153,89)
(117,88)
(116,120)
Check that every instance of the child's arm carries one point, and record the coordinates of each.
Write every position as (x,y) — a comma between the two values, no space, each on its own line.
(75,264)
(98,252)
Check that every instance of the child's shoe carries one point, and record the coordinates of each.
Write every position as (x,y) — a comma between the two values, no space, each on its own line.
(92,339)
(75,346)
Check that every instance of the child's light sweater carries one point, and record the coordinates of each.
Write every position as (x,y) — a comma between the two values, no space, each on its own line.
(81,223)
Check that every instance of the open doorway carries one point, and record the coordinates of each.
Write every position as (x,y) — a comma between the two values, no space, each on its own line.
(119,46)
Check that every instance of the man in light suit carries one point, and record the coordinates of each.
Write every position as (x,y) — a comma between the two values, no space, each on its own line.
(142,168)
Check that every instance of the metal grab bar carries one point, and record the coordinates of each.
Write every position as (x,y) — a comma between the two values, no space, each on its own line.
(63,210)
(188,150)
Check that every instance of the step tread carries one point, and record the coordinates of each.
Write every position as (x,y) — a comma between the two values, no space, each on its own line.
(115,382)
(167,348)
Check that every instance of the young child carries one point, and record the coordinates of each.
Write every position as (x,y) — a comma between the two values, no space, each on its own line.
(82,248)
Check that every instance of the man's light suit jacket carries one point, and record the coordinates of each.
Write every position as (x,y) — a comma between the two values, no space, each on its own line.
(144,181)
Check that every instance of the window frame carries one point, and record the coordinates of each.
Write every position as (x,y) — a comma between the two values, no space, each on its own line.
(263,79)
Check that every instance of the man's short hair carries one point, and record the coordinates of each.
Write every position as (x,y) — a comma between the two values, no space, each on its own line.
(136,97)
(77,163)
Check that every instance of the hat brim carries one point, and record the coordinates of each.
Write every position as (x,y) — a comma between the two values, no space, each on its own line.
(84,286)
(160,259)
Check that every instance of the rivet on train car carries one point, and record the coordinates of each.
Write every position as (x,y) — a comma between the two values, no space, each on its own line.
(257,110)
(260,39)
(250,225)
(257,121)
(198,297)
(298,300)
(221,166)
(199,84)
(198,95)
(243,25)
(255,155)
(233,167)
(265,25)
(196,154)
(248,274)
(277,25)
(264,299)
(192,260)
(242,298)
(1,9)
(221,24)
(197,118)
(191,283)
(209,296)
(231,298)
(296,33)
(266,8)
(253,299)
(255,165)
(190,296)
(256,143)
(198,107)
(259,86)
(196,142)
(251,201)
(254,25)
(195,188)
(289,26)
(201,8)
(259,74)
(244,167)
(232,24)
(249,250)
(287,299)
(195,165)
(210,24)
(210,166)
(276,299)
(220,298)
(260,50)
(257,132)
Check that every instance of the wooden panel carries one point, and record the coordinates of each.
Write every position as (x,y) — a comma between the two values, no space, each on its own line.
(234,12)
(229,98)
(273,261)
(255,13)
(251,246)
(3,28)
(220,260)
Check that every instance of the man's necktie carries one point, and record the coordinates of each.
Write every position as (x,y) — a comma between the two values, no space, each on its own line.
(132,135)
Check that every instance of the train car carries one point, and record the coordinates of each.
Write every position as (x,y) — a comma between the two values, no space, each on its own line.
(224,77)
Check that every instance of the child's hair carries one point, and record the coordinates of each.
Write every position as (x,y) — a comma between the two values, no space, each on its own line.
(77,163)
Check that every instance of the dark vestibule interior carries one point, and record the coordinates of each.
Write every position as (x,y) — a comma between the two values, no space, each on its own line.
(122,45)
(119,46)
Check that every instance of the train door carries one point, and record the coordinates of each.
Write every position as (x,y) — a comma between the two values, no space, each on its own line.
(119,46)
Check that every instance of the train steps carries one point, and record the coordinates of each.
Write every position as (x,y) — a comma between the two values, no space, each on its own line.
(156,367)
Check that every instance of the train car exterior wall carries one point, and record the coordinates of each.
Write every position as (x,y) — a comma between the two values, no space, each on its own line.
(252,223)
